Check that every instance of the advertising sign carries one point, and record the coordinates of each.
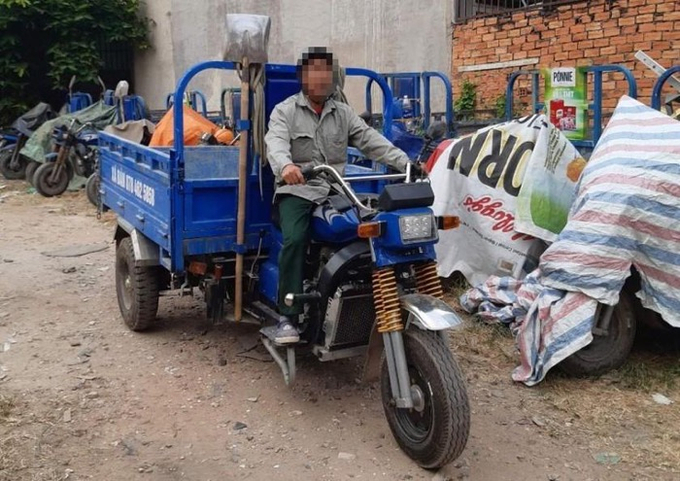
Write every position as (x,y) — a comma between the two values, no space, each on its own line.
(566,100)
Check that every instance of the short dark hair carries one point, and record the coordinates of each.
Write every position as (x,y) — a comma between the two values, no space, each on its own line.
(316,53)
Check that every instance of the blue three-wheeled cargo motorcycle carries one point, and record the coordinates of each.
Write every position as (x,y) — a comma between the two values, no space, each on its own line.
(201,217)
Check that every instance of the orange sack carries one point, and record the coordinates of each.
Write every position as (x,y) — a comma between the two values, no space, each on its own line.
(194,125)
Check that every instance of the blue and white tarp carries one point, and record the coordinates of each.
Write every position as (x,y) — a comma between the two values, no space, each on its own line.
(626,214)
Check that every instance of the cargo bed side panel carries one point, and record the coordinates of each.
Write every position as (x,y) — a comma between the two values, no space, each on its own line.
(136,186)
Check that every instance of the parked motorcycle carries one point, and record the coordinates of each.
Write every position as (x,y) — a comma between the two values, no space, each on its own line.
(13,165)
(8,143)
(76,154)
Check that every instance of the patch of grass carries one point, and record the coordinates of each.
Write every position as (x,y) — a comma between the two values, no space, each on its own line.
(491,345)
(455,285)
(648,374)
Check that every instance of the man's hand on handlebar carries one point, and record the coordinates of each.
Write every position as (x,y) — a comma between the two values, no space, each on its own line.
(418,170)
(292,175)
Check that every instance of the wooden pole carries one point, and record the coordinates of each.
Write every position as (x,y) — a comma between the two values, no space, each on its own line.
(242,180)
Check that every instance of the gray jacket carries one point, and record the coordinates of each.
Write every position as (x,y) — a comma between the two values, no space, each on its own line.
(298,135)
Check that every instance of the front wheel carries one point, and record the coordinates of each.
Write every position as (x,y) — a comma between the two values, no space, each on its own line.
(48,186)
(136,288)
(435,431)
(7,170)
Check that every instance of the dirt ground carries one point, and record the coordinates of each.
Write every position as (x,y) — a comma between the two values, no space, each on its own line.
(81,397)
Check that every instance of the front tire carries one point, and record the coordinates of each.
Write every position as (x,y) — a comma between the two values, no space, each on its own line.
(44,184)
(6,169)
(436,430)
(136,288)
(608,352)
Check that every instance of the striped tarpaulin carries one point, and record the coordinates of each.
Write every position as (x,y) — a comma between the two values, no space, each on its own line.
(626,214)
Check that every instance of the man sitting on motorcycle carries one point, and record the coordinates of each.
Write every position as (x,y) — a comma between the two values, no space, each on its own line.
(311,128)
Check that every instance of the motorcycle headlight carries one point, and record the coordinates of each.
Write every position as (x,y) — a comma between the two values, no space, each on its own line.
(414,228)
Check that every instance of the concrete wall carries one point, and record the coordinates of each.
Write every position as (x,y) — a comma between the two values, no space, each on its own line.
(382,35)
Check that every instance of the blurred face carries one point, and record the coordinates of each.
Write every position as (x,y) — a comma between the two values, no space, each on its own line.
(317,80)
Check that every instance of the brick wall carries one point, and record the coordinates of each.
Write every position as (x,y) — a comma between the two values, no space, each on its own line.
(581,34)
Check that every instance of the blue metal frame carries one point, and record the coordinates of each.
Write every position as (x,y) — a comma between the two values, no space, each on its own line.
(595,105)
(194,96)
(424,78)
(406,83)
(658,86)
(134,108)
(78,101)
(391,78)
(427,76)
(388,98)
(235,104)
(177,159)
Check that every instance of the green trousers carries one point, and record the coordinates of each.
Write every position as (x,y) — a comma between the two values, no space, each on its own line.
(295,214)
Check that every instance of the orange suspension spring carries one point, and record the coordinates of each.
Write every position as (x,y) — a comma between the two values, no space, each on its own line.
(386,298)
(427,280)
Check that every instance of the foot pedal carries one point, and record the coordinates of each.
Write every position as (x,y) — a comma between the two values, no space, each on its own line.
(270,333)
(287,365)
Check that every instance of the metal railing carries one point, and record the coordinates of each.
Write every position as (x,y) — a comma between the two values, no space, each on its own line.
(464,10)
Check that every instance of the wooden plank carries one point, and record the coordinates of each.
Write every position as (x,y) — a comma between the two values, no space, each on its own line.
(499,65)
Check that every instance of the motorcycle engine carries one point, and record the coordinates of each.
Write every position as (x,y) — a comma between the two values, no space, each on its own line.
(84,160)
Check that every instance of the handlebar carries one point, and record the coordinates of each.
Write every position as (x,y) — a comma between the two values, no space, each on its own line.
(83,127)
(77,131)
(312,171)
(101,84)
(308,172)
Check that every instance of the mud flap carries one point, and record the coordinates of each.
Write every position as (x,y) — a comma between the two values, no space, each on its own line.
(373,356)
(146,250)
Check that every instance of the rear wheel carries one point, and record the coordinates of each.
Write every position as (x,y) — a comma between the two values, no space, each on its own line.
(92,189)
(30,171)
(607,352)
(46,185)
(435,431)
(136,288)
(7,170)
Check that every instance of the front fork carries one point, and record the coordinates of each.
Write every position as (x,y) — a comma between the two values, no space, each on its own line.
(60,163)
(390,324)
(16,156)
(400,381)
